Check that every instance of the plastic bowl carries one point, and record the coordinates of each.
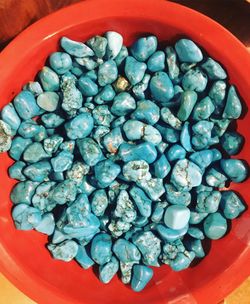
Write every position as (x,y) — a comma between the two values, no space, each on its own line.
(24,260)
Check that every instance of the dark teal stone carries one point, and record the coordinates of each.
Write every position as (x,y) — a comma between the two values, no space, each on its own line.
(185,137)
(106,94)
(215,226)
(235,169)
(218,93)
(233,106)
(18,145)
(156,62)
(231,204)
(134,70)
(188,100)
(99,45)
(232,142)
(176,152)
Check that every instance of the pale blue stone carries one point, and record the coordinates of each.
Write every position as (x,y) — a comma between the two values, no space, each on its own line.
(215,226)
(161,87)
(47,224)
(156,62)
(141,276)
(25,105)
(49,79)
(107,73)
(101,248)
(176,217)
(64,251)
(108,270)
(144,47)
(75,48)
(10,116)
(188,51)
(214,69)
(134,70)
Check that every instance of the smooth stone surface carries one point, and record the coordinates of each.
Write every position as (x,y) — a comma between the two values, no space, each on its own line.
(25,217)
(144,47)
(15,171)
(48,101)
(49,79)
(176,217)
(29,128)
(34,153)
(34,87)
(186,174)
(202,158)
(87,86)
(107,73)
(18,145)
(188,51)
(161,167)
(235,169)
(80,126)
(75,48)
(120,58)
(146,111)
(47,224)
(156,62)
(106,172)
(25,105)
(10,117)
(233,106)
(106,94)
(123,104)
(60,62)
(37,172)
(141,276)
(62,161)
(115,41)
(176,197)
(218,93)
(171,60)
(231,204)
(176,152)
(108,270)
(22,192)
(195,246)
(214,70)
(83,258)
(101,248)
(113,140)
(134,70)
(99,45)
(126,251)
(169,134)
(170,235)
(141,200)
(215,226)
(153,187)
(203,109)
(188,100)
(161,87)
(194,80)
(185,137)
(232,142)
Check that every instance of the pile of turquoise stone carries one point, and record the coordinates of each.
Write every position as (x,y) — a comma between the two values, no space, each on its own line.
(123,155)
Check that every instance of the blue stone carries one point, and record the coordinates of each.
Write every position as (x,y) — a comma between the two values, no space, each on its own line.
(144,47)
(233,106)
(25,105)
(75,48)
(134,70)
(218,93)
(153,188)
(99,45)
(23,192)
(47,224)
(122,55)
(49,79)
(141,276)
(52,120)
(29,128)
(90,151)
(168,133)
(126,251)
(108,270)
(62,161)
(194,80)
(214,69)
(188,51)
(10,116)
(37,172)
(203,109)
(235,169)
(173,69)
(176,152)
(146,111)
(106,172)
(25,217)
(215,226)
(60,62)
(87,86)
(114,46)
(157,214)
(161,167)
(80,126)
(101,248)
(123,104)
(107,73)
(170,235)
(83,258)
(65,251)
(232,142)
(188,100)
(106,94)
(176,217)
(156,62)
(34,153)
(99,202)
(195,246)
(15,171)
(161,87)
(18,145)
(231,204)
(202,158)
(185,137)
(176,197)
(141,200)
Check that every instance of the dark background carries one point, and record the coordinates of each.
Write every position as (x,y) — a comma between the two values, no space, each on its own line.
(15,15)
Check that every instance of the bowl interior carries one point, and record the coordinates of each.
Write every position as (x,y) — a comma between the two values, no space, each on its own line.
(25,260)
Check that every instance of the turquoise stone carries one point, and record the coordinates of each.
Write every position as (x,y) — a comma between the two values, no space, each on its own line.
(203,109)
(65,251)
(188,100)
(153,187)
(188,51)
(74,48)
(170,235)
(208,201)
(15,171)
(99,202)
(194,80)
(10,117)
(106,94)
(80,126)
(52,120)
(195,246)
(146,111)
(87,86)
(197,217)
(215,226)
(125,209)
(113,140)
(149,246)
(88,63)
(114,41)
(118,122)
(102,116)
(214,70)
(141,276)
(42,197)
(182,261)
(161,147)
(99,133)
(161,87)
(108,270)
(202,158)
(51,144)
(48,101)
(60,62)
(161,167)
(64,192)
(23,192)
(144,47)
(126,251)
(25,105)
(218,93)
(101,248)
(176,217)
(176,152)
(169,118)
(171,60)
(68,145)
(37,172)
(18,145)
(90,151)
(157,214)
(99,45)
(106,172)
(49,79)
(144,151)
(83,258)
(185,137)
(176,197)
(34,153)
(186,175)
(233,106)
(77,172)
(141,200)
(196,233)
(34,87)
(232,142)
(156,62)
(231,204)
(215,178)
(123,104)
(120,58)
(220,126)
(25,217)
(168,133)
(140,88)
(136,170)
(47,224)
(107,73)
(134,70)
(235,169)
(62,161)
(29,128)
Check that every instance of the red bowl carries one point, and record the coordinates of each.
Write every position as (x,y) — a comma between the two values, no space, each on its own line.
(24,260)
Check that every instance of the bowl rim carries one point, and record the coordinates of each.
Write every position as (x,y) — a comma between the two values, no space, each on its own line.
(65,18)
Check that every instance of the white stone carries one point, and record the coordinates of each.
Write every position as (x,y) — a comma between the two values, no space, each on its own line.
(115,42)
(177,217)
